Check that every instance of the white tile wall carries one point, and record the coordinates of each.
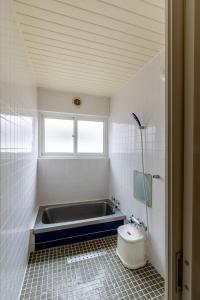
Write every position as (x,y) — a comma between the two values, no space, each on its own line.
(143,95)
(70,180)
(18,154)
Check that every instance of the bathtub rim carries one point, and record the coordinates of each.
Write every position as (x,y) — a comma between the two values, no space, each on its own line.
(40,227)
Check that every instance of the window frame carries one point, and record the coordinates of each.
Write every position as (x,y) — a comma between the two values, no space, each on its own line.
(75,118)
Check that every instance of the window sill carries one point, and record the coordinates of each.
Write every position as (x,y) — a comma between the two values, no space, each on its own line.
(73,157)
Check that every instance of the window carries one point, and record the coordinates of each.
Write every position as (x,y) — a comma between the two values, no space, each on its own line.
(90,137)
(72,136)
(58,136)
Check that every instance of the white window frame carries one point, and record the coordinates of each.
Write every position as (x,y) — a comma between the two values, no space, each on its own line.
(75,118)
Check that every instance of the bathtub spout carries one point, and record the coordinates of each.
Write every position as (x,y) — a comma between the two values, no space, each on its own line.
(115,203)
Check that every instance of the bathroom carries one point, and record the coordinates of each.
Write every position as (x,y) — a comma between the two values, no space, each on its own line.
(88,66)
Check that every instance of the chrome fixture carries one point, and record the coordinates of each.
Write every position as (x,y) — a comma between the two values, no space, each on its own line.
(138,121)
(156,176)
(115,202)
(137,222)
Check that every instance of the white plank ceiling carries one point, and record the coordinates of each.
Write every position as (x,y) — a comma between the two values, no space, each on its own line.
(90,46)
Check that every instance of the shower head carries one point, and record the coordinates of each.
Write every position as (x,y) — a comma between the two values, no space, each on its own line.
(137,120)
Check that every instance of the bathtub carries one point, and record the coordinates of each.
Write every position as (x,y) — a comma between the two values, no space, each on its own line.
(58,225)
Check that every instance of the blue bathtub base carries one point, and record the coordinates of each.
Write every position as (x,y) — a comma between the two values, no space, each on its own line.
(67,236)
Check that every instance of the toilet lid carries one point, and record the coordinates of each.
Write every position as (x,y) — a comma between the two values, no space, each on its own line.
(130,234)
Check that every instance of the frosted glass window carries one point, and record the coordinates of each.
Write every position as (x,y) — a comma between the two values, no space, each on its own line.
(90,137)
(58,135)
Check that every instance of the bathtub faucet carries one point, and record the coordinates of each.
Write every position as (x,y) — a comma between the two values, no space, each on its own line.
(115,202)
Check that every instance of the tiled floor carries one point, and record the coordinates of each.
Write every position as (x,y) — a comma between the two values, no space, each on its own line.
(89,270)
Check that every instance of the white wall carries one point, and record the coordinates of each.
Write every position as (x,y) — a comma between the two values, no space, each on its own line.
(143,95)
(18,154)
(69,180)
(51,100)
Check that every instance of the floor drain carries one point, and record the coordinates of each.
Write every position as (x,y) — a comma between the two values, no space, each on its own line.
(88,255)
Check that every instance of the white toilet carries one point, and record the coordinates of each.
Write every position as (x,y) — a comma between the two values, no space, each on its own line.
(131,246)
